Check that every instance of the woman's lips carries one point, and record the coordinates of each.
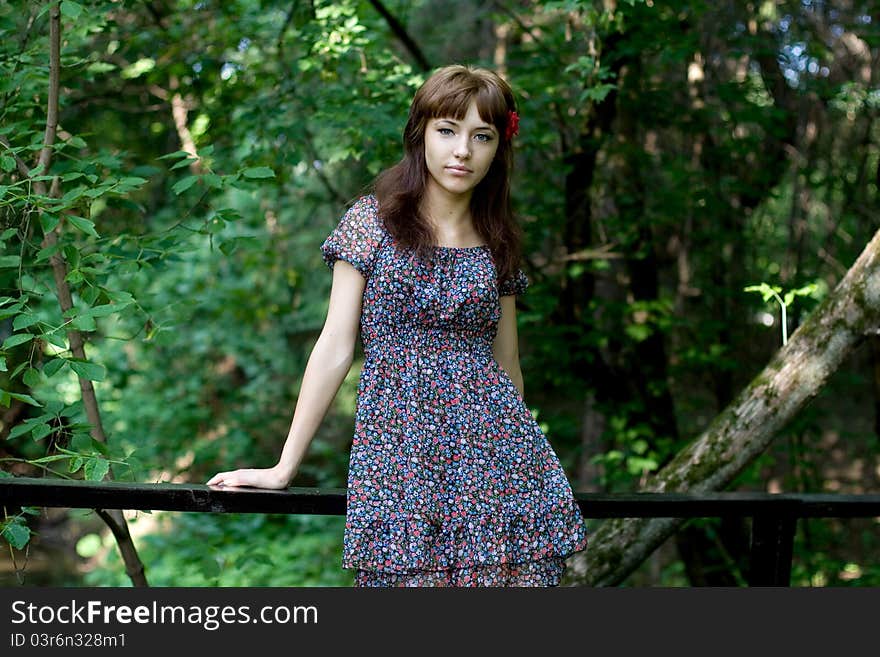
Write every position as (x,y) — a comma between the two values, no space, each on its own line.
(459,171)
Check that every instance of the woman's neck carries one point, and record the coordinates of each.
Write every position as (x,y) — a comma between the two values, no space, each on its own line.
(449,214)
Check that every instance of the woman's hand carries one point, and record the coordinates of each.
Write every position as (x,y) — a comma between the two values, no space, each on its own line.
(256,477)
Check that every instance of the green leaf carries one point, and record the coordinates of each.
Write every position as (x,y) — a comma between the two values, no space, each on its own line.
(83,224)
(182,185)
(81,442)
(767,292)
(6,234)
(84,323)
(806,290)
(258,172)
(120,298)
(41,431)
(17,534)
(228,214)
(71,9)
(639,332)
(53,366)
(19,369)
(48,222)
(637,464)
(27,399)
(87,370)
(132,182)
(17,339)
(7,163)
(10,261)
(213,181)
(48,252)
(184,163)
(102,310)
(23,321)
(54,339)
(174,155)
(21,429)
(96,468)
(100,67)
(76,463)
(31,377)
(97,191)
(3,364)
(9,312)
(51,459)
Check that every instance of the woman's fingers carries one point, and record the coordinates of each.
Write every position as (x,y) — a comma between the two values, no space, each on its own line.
(224,479)
(259,478)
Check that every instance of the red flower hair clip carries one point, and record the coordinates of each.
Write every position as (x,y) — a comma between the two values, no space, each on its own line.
(512,124)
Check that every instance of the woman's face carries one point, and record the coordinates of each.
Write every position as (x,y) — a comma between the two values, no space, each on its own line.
(459,152)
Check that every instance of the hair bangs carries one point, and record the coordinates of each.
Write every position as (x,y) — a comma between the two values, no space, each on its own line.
(451,98)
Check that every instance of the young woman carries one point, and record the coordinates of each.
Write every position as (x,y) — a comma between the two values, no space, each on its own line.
(451,481)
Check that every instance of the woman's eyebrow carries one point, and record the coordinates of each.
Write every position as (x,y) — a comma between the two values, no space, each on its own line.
(479,127)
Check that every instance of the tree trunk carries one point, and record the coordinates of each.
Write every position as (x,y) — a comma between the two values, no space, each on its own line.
(748,425)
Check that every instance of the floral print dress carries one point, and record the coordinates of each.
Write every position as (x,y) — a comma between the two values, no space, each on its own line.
(451,481)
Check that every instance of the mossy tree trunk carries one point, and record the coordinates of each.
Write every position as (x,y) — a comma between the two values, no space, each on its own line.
(744,429)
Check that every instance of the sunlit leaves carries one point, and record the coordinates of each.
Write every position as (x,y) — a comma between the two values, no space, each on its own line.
(16,532)
(17,339)
(184,184)
(258,172)
(82,224)
(87,370)
(70,9)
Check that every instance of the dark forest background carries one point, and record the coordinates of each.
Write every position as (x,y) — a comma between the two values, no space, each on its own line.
(670,155)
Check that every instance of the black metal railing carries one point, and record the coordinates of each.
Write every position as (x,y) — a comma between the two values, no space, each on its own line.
(773,516)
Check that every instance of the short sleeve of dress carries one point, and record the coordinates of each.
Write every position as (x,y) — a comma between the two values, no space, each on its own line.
(515,284)
(357,237)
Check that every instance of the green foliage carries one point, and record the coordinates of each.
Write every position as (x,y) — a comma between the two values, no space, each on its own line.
(768,292)
(235,550)
(205,150)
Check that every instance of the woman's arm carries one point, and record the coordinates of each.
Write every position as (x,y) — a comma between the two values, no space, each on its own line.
(505,348)
(328,365)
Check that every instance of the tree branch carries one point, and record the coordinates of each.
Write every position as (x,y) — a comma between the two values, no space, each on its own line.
(403,36)
(114,518)
(54,83)
(749,424)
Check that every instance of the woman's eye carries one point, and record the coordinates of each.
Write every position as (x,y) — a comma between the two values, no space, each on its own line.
(483,137)
(444,131)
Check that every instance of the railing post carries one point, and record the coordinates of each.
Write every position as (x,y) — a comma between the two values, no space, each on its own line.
(771,549)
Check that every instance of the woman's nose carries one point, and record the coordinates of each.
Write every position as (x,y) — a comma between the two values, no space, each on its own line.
(462,147)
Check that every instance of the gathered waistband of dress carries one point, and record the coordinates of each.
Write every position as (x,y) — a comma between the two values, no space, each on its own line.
(432,338)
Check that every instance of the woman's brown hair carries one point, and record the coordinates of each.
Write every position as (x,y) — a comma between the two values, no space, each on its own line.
(448,93)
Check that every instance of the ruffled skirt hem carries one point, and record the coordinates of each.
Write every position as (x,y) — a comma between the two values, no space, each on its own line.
(403,543)
(544,573)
